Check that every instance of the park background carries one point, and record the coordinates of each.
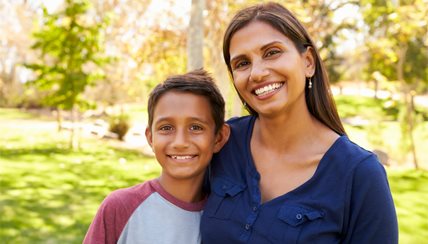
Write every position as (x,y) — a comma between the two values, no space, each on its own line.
(75,76)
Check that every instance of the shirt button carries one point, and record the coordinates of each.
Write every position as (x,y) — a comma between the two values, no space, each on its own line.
(298,216)
(247,226)
(254,208)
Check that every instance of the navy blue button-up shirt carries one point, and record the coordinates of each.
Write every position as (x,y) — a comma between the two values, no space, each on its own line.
(347,200)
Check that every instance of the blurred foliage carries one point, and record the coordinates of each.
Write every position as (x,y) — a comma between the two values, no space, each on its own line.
(148,42)
(120,125)
(398,39)
(70,47)
(398,49)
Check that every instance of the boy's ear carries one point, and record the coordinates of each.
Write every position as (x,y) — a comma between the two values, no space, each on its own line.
(149,136)
(222,137)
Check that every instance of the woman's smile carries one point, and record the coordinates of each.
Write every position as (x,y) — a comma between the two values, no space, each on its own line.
(268,89)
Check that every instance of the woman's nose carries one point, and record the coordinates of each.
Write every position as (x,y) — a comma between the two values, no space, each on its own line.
(258,71)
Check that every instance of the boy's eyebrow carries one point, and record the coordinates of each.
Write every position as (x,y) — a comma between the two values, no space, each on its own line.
(261,49)
(166,118)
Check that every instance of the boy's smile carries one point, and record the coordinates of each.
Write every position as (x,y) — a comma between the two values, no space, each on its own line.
(182,135)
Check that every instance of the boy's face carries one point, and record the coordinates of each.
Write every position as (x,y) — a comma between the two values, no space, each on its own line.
(182,135)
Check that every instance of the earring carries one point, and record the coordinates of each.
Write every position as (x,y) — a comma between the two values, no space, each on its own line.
(310,83)
(245,104)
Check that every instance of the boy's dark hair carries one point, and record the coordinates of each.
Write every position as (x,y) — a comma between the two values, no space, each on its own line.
(197,82)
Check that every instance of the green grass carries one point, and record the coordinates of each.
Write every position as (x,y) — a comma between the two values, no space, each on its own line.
(10,113)
(49,194)
(366,107)
(381,131)
(410,193)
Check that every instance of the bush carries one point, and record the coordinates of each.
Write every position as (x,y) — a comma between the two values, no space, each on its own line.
(391,109)
(120,125)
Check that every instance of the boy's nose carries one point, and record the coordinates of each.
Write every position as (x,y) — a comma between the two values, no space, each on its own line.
(181,139)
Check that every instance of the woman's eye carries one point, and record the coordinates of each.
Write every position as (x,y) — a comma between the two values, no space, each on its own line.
(272,52)
(241,64)
(196,127)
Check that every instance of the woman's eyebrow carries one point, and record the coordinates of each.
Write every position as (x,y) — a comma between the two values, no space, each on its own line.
(269,44)
(261,48)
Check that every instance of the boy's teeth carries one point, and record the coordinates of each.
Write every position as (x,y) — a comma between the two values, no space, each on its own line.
(267,89)
(181,157)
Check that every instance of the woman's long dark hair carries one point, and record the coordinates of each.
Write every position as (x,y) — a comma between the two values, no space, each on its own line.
(319,98)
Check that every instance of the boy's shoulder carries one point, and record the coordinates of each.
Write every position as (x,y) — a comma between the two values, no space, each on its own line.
(131,197)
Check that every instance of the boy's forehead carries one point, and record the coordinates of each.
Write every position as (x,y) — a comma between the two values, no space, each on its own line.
(182,104)
(178,95)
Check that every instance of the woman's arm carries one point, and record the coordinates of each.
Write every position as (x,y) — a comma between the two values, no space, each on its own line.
(372,216)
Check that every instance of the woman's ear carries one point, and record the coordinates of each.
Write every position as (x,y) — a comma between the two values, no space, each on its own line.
(310,62)
(222,137)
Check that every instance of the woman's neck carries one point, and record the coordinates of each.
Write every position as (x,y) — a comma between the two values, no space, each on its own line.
(288,130)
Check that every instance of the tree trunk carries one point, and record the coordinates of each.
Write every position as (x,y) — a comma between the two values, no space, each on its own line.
(412,128)
(195,36)
(409,117)
(59,119)
(74,138)
(376,89)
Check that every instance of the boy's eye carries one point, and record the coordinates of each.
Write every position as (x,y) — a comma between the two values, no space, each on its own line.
(165,128)
(196,128)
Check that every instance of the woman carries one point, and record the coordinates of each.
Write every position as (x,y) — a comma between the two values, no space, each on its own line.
(289,173)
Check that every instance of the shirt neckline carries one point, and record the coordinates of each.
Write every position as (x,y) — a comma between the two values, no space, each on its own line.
(196,206)
(253,168)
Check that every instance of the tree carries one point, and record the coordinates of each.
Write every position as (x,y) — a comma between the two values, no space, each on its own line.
(14,49)
(195,36)
(397,43)
(124,38)
(70,46)
(148,42)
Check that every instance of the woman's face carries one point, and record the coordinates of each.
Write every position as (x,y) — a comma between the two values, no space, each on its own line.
(268,71)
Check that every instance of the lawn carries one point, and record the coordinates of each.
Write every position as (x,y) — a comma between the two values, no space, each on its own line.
(49,194)
(373,125)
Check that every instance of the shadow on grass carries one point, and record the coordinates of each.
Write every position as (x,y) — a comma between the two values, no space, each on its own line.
(50,194)
(40,151)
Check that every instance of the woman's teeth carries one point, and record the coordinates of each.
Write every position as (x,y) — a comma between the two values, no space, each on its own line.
(269,88)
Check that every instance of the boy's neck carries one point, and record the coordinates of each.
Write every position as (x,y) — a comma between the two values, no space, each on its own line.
(186,190)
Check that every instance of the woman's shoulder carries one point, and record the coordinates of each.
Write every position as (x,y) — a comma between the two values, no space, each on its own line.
(241,125)
(350,155)
(240,120)
(349,149)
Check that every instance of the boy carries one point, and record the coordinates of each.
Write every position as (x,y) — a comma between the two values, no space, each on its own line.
(186,126)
